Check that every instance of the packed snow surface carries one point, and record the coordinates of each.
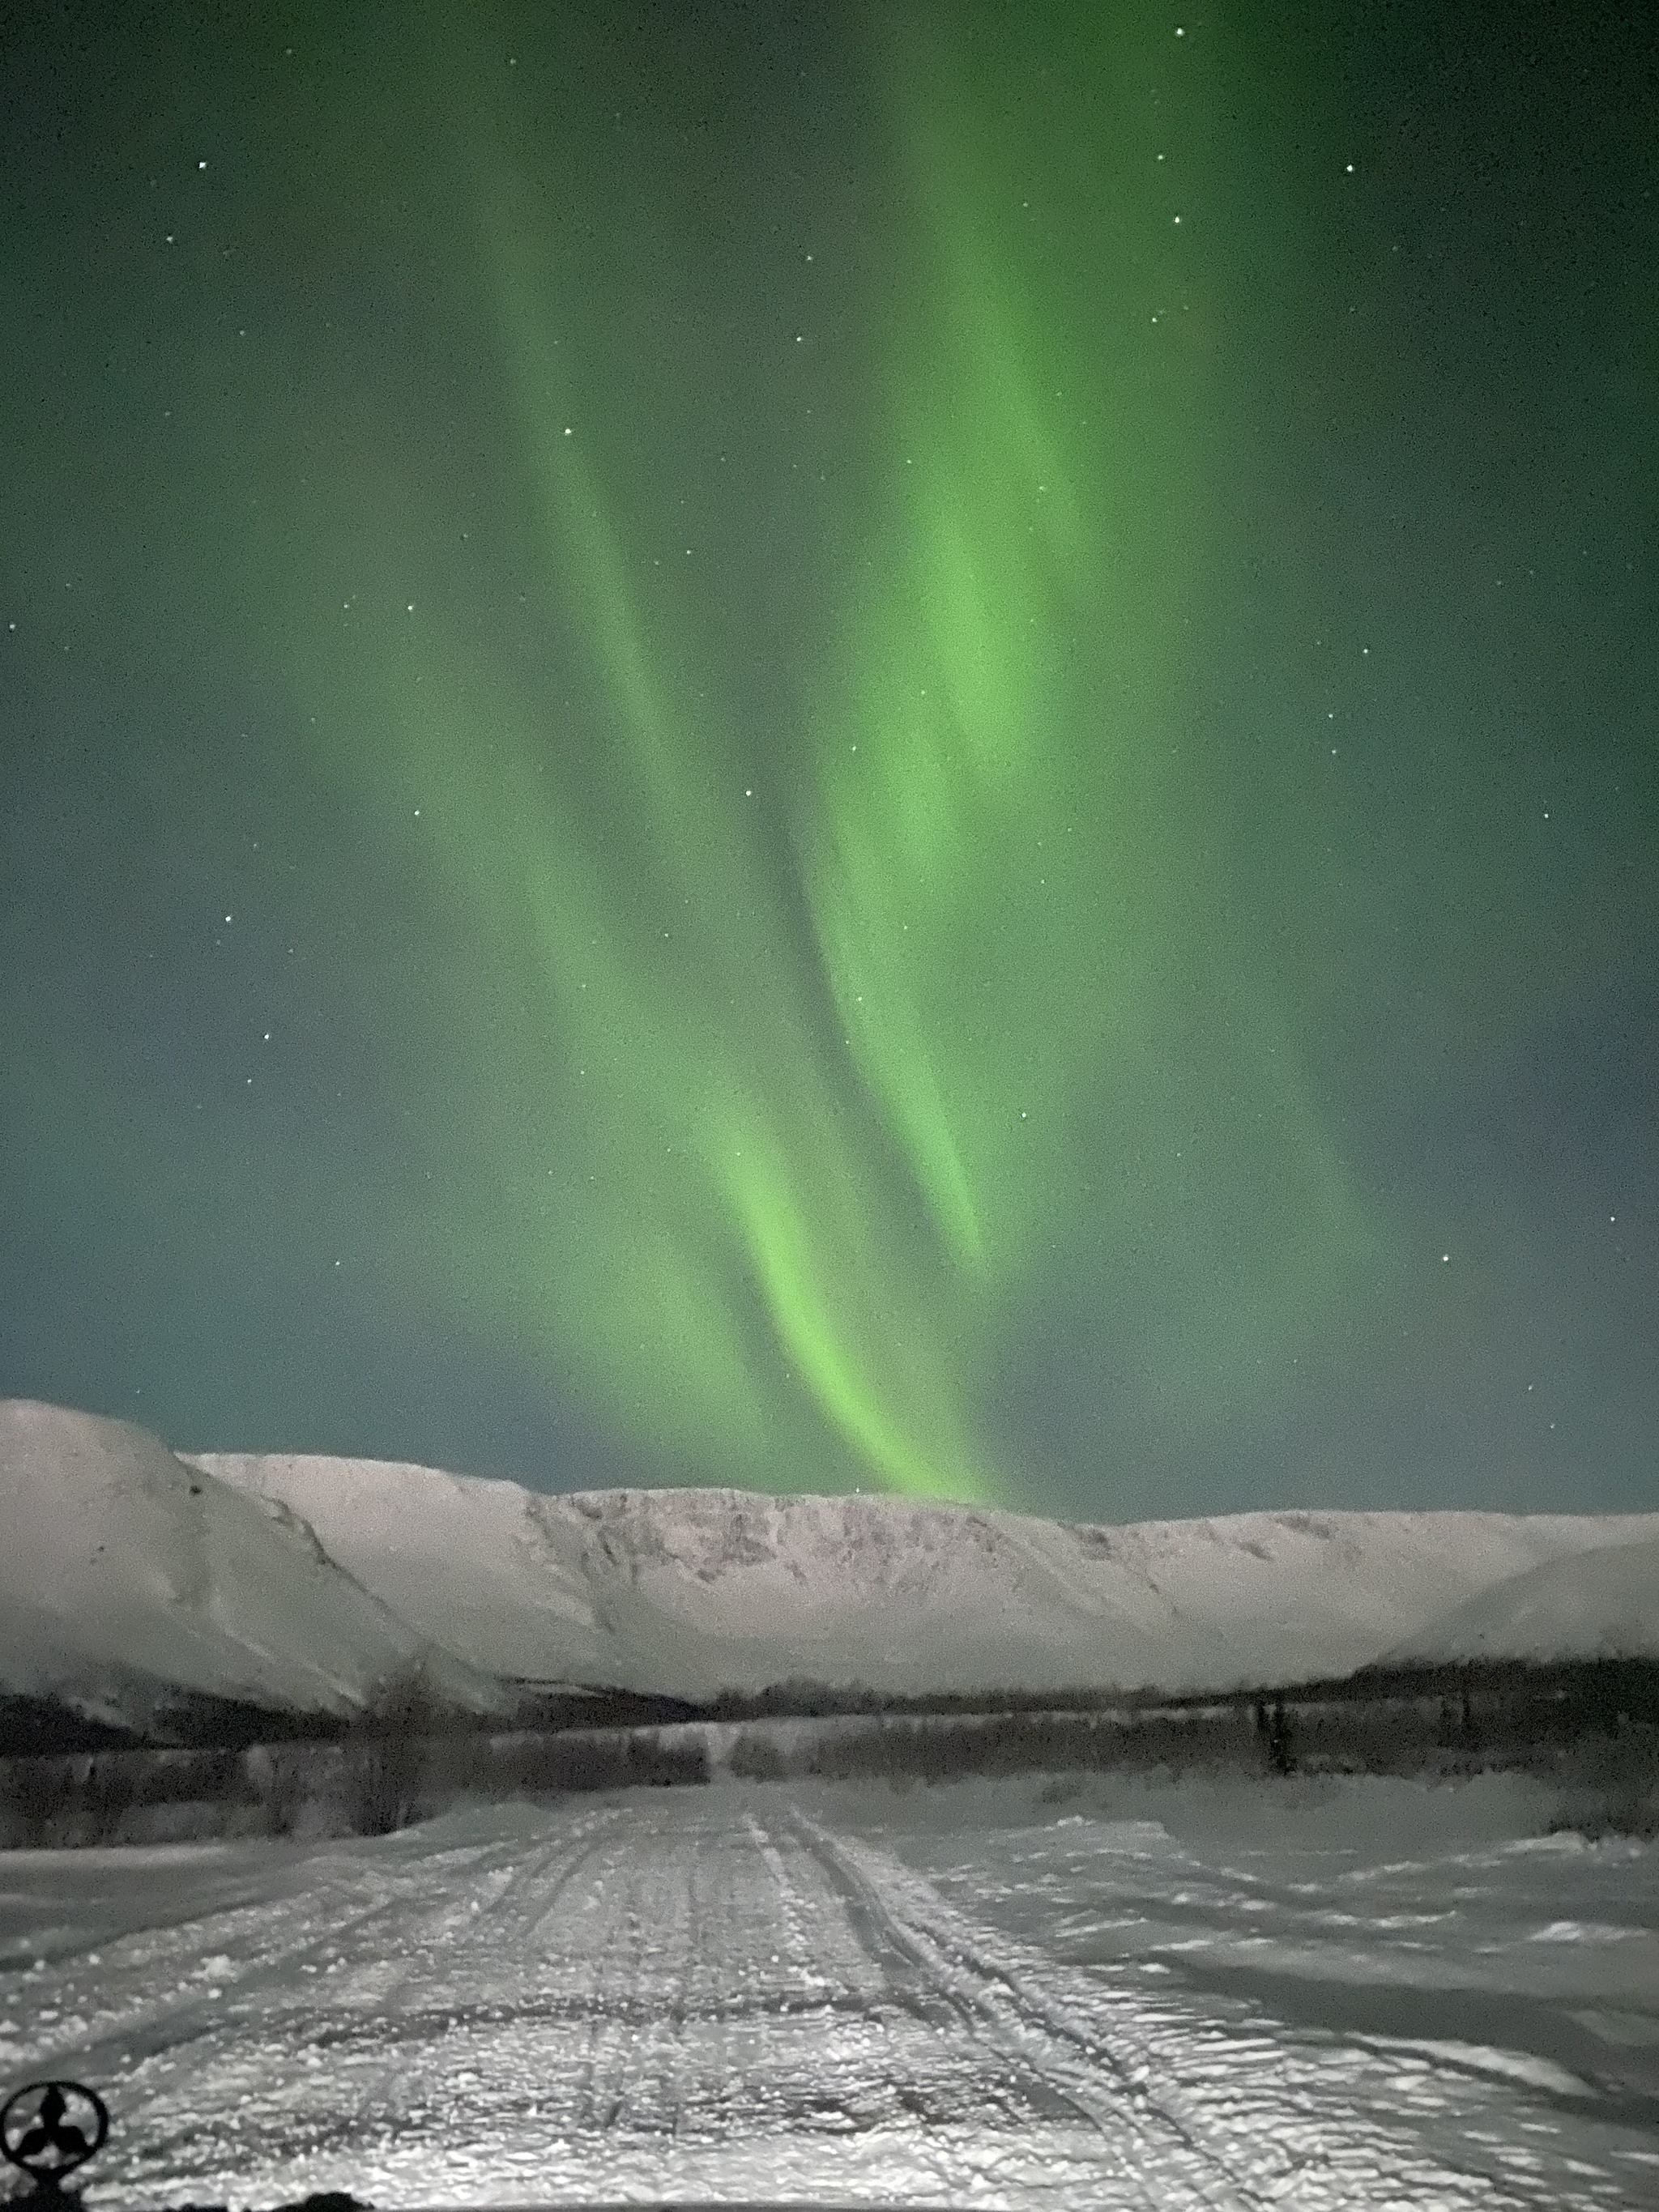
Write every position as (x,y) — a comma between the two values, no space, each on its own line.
(1336,1997)
(688,1592)
(1592,1605)
(126,1577)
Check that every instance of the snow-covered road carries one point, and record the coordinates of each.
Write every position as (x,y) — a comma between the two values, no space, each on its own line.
(748,1994)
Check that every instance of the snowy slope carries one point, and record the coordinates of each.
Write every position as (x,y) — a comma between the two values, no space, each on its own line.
(131,1573)
(491,1571)
(1595,1605)
(690,1591)
(126,1577)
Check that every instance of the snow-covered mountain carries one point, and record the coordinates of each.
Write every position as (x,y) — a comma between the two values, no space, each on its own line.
(1591,1605)
(686,1592)
(132,1574)
(127,1578)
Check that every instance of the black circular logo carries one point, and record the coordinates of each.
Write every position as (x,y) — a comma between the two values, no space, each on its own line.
(49,2128)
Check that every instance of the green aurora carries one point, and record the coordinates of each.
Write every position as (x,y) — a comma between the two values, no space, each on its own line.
(838,944)
(812,1133)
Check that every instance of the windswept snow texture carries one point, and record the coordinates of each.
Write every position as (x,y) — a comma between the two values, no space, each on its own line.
(127,1577)
(1599,1605)
(1335,1998)
(687,1592)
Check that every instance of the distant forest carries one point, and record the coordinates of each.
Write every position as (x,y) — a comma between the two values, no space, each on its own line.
(212,1767)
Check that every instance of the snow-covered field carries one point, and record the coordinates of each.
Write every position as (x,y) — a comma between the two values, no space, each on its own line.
(1349,1995)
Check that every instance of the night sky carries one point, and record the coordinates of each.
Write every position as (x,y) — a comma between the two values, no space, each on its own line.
(817,746)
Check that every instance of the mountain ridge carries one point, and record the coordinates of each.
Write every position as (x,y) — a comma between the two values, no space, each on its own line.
(692,1592)
(136,1575)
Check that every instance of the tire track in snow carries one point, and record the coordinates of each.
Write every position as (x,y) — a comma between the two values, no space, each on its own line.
(1264,2150)
(1160,2153)
(294,2057)
(162,2027)
(677,1994)
(277,1952)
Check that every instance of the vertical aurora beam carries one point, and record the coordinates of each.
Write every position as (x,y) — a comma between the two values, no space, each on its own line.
(657,1178)
(785,1252)
(1009,859)
(997,846)
(778,1203)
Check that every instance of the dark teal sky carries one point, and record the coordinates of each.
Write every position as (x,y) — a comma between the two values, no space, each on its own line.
(825,746)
